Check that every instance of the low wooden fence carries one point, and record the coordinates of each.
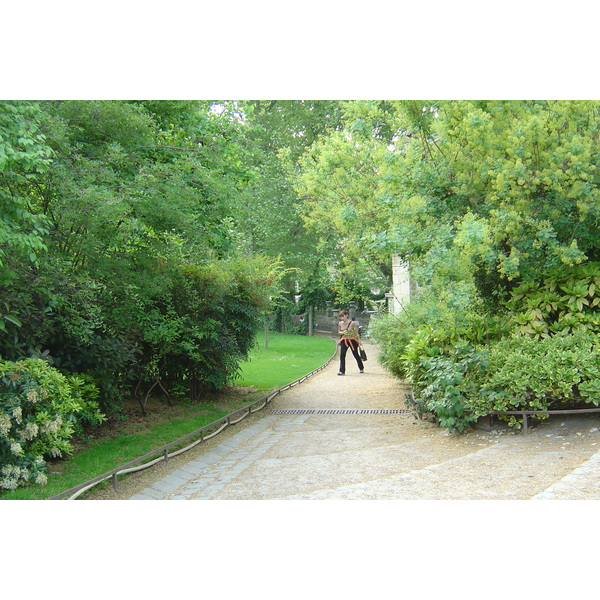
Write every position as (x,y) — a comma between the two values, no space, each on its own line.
(163,453)
(522,413)
(525,413)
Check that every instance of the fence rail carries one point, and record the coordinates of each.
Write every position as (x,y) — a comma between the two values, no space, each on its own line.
(199,435)
(525,413)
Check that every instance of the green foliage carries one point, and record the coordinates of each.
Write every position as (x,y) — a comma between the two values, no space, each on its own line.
(24,157)
(128,188)
(560,302)
(432,325)
(347,288)
(96,128)
(392,335)
(284,316)
(516,373)
(341,186)
(441,361)
(526,169)
(68,318)
(438,345)
(211,318)
(192,326)
(557,372)
(445,385)
(495,191)
(40,410)
(268,217)
(462,365)
(145,280)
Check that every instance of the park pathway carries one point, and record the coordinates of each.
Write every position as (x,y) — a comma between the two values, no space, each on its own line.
(352,437)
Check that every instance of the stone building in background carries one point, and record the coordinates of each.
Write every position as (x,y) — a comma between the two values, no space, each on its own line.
(402,287)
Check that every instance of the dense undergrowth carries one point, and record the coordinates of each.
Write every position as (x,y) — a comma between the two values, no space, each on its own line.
(540,352)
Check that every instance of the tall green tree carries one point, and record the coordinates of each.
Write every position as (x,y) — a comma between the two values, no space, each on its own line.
(523,177)
(140,203)
(279,133)
(24,157)
(344,194)
(487,192)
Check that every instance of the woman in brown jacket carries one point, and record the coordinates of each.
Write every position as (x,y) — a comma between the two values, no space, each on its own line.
(349,338)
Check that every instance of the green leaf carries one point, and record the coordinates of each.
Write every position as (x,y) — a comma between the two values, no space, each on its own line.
(13,320)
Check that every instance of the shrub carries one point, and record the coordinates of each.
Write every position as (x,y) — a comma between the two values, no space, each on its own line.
(559,303)
(558,372)
(40,410)
(200,330)
(191,325)
(444,384)
(68,319)
(429,327)
(544,355)
(517,373)
(440,350)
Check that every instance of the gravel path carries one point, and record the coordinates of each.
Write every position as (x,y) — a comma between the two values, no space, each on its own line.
(351,437)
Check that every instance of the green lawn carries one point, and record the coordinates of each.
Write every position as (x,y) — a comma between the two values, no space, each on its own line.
(100,456)
(287,358)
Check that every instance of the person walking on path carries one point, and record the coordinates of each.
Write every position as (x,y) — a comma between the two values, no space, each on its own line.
(349,338)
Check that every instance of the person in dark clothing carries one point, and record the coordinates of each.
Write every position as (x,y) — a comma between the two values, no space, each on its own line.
(348,330)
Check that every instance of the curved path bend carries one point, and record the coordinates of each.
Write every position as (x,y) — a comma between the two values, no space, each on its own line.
(351,437)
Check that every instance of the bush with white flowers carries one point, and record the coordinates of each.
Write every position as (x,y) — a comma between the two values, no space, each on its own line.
(40,410)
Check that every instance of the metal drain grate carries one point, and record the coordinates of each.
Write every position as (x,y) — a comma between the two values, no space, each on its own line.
(340,411)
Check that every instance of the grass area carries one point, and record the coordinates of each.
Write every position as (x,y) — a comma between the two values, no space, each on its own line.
(99,456)
(287,358)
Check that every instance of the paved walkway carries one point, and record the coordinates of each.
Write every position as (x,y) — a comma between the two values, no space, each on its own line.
(351,437)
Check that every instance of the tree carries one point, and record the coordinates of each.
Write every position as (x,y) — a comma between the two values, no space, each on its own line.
(482,192)
(140,202)
(344,194)
(24,156)
(278,133)
(523,176)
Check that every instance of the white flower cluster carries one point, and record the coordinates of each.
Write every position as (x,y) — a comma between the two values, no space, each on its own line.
(17,412)
(31,431)
(11,474)
(12,470)
(5,424)
(7,483)
(53,426)
(22,425)
(33,396)
(16,448)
